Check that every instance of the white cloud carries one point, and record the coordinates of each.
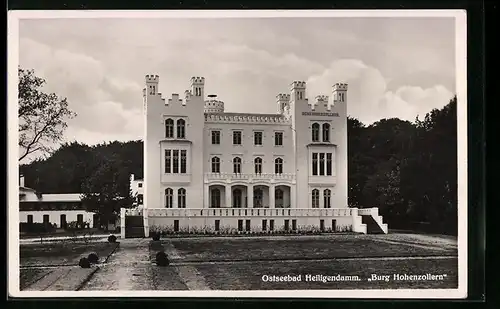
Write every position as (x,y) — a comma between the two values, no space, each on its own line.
(368,98)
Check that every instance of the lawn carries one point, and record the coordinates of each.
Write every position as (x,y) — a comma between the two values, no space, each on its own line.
(339,246)
(248,276)
(62,252)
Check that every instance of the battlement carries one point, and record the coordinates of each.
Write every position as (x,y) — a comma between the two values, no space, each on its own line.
(322,99)
(152,79)
(175,99)
(298,84)
(198,80)
(340,86)
(283,97)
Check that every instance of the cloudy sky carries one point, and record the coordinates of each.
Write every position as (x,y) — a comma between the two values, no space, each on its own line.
(395,67)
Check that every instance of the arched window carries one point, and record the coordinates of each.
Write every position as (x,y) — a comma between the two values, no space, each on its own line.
(237,165)
(181,198)
(215,200)
(315,132)
(169,198)
(169,128)
(215,165)
(278,197)
(326,132)
(181,128)
(258,165)
(278,166)
(315,198)
(327,194)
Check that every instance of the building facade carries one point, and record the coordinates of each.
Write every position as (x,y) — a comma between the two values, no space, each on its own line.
(209,169)
(58,209)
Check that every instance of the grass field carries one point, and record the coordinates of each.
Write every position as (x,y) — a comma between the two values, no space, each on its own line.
(240,263)
(40,260)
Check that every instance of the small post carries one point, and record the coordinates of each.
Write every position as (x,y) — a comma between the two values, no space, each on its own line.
(122,222)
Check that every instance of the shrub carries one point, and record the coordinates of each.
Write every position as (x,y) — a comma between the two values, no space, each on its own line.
(84,263)
(93,258)
(162,259)
(112,238)
(155,236)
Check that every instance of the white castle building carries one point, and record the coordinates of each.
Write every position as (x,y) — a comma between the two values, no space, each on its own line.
(206,168)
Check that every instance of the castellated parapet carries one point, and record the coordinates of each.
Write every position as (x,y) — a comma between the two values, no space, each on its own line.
(283,97)
(198,80)
(322,99)
(340,86)
(298,85)
(212,105)
(175,99)
(152,79)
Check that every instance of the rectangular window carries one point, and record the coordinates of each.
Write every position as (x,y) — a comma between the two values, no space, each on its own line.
(321,164)
(46,219)
(240,225)
(264,225)
(30,218)
(140,199)
(215,137)
(236,137)
(257,138)
(79,218)
(175,169)
(334,225)
(278,138)
(168,161)
(176,225)
(271,225)
(294,225)
(321,225)
(287,225)
(183,161)
(329,164)
(315,163)
(139,185)
(247,225)
(217,225)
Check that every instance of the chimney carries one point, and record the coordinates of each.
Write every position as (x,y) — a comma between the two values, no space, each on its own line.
(21,180)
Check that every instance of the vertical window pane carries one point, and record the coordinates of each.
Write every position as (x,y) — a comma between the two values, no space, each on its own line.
(322,164)
(315,163)
(176,162)
(168,161)
(329,164)
(183,161)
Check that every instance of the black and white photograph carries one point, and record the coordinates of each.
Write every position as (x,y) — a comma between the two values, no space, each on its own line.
(237,154)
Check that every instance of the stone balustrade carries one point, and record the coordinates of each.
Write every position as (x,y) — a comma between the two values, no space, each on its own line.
(238,176)
(246,118)
(251,212)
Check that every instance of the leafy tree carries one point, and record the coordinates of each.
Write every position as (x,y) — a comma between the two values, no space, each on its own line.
(42,116)
(108,189)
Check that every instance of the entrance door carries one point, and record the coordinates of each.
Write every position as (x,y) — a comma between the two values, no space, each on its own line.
(237,198)
(63,221)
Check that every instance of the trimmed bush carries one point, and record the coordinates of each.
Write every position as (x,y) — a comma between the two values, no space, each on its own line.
(93,258)
(35,228)
(112,238)
(84,263)
(156,236)
(162,259)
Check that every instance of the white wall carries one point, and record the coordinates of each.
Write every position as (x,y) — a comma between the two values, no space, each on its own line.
(55,216)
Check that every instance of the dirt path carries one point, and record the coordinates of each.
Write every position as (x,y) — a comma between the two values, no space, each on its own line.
(129,268)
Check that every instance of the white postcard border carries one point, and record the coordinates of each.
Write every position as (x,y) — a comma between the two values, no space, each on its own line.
(13,170)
